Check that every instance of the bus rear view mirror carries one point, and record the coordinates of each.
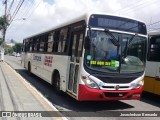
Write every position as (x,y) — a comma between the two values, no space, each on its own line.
(87,43)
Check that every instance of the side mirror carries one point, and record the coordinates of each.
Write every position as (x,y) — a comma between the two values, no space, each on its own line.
(87,43)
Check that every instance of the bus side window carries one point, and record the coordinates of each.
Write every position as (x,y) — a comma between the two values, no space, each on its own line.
(27,46)
(46,42)
(154,49)
(36,45)
(80,45)
(41,49)
(50,42)
(56,41)
(62,40)
(43,41)
(31,45)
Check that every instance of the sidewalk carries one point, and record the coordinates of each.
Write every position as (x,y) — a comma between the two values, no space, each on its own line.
(18,95)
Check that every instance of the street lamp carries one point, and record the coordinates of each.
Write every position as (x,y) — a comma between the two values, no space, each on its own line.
(19,19)
(16,20)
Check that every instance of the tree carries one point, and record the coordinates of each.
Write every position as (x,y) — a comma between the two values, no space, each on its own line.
(8,49)
(1,40)
(17,47)
(3,23)
(3,27)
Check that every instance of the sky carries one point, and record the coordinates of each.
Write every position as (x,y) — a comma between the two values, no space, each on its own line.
(42,15)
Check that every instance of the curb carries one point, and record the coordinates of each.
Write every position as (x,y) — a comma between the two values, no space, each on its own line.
(35,90)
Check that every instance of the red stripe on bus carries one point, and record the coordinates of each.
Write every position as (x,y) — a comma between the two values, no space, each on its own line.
(88,94)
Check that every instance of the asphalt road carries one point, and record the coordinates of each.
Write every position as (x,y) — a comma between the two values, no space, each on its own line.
(65,103)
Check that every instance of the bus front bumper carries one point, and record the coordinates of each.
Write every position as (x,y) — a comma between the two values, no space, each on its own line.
(89,94)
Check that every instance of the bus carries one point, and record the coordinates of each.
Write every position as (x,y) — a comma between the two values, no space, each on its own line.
(152,77)
(95,57)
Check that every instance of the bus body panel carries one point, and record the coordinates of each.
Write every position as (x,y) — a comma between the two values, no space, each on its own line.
(72,72)
(149,81)
(152,77)
(88,94)
(44,68)
(157,82)
(152,81)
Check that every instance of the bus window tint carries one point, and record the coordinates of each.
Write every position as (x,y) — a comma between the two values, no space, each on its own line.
(43,40)
(50,42)
(154,49)
(56,41)
(41,49)
(36,45)
(62,40)
(80,47)
(30,45)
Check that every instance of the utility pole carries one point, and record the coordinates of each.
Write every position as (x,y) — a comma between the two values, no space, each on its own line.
(4,32)
(5,23)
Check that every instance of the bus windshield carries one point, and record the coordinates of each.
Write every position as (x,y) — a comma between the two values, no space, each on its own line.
(126,56)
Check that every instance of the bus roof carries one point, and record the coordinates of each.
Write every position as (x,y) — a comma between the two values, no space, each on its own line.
(154,33)
(84,16)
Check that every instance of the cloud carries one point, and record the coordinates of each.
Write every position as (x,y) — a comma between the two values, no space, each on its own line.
(49,13)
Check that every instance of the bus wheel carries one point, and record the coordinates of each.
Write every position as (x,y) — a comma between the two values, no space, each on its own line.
(57,83)
(29,68)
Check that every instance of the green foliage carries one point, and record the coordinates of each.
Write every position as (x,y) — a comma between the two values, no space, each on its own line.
(8,49)
(3,23)
(1,40)
(17,47)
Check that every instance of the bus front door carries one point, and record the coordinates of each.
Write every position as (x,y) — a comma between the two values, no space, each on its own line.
(76,51)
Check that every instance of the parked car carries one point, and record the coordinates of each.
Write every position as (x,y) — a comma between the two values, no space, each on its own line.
(18,55)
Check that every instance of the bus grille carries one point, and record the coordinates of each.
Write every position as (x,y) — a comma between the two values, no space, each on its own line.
(111,94)
(115,80)
(114,87)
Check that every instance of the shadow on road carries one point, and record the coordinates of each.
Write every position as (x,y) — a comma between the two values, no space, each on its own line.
(66,101)
(151,99)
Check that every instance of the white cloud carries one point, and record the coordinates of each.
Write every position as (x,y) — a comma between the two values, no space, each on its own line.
(47,15)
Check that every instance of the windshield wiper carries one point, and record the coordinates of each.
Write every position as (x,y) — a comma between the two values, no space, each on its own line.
(128,43)
(132,38)
(116,43)
(114,40)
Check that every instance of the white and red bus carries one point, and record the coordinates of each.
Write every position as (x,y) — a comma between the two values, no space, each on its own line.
(94,57)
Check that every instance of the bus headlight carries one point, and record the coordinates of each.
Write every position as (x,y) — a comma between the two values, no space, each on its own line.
(90,83)
(137,85)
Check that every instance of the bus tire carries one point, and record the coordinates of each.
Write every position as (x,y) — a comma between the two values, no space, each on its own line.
(57,83)
(29,68)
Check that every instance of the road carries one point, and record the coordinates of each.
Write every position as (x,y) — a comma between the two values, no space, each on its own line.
(66,103)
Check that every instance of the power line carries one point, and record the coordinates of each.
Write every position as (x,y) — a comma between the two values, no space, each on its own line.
(35,8)
(16,11)
(16,7)
(144,5)
(10,7)
(128,7)
(31,12)
(153,23)
(26,9)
